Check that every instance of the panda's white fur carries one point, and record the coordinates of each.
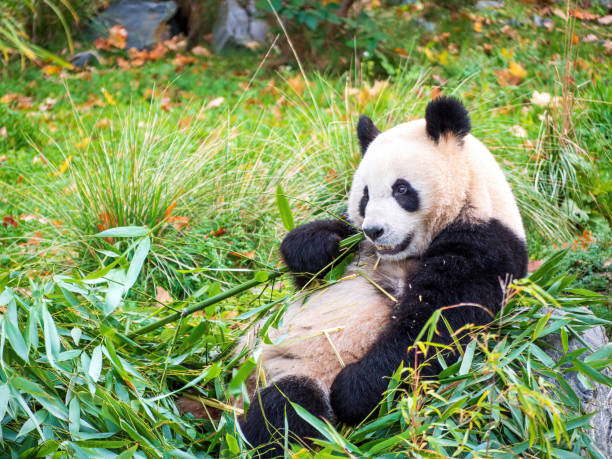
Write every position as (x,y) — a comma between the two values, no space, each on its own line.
(457,179)
(448,177)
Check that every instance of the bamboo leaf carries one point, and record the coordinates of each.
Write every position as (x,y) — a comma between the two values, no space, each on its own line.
(284,209)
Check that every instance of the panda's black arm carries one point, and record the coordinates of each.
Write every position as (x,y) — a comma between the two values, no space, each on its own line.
(464,264)
(310,248)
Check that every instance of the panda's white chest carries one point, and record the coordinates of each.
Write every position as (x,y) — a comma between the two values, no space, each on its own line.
(333,326)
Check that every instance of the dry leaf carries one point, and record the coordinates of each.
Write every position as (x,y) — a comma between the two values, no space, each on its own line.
(478,26)
(180,60)
(162,296)
(8,220)
(201,51)
(518,131)
(297,84)
(217,102)
(606,20)
(102,44)
(583,15)
(117,36)
(52,69)
(533,265)
(108,97)
(35,240)
(83,143)
(219,232)
(103,123)
(157,52)
(178,222)
(590,38)
(541,99)
(165,104)
(517,71)
(47,104)
(64,166)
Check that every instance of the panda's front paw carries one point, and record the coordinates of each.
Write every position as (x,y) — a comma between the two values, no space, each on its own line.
(354,394)
(310,248)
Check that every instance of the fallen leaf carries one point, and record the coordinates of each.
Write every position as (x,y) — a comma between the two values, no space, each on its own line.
(606,20)
(541,99)
(169,210)
(103,123)
(533,265)
(217,102)
(178,222)
(575,39)
(516,70)
(250,255)
(518,131)
(201,51)
(8,220)
(557,12)
(478,26)
(47,104)
(297,84)
(35,240)
(108,97)
(590,38)
(583,15)
(83,143)
(3,159)
(162,296)
(219,232)
(435,92)
(157,52)
(102,44)
(64,166)
(180,60)
(3,132)
(52,69)
(33,217)
(165,104)
(117,36)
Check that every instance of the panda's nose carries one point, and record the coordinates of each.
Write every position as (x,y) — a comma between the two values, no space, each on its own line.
(374,232)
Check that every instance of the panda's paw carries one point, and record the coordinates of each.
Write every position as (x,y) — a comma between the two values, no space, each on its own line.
(354,394)
(310,248)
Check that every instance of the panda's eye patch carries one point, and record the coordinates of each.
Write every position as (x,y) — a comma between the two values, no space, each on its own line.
(405,195)
(364,201)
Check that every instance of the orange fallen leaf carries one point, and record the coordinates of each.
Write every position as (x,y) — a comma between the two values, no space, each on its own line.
(64,166)
(180,60)
(35,240)
(201,51)
(52,69)
(102,44)
(169,210)
(117,36)
(162,296)
(165,104)
(250,255)
(583,15)
(219,232)
(478,26)
(533,265)
(8,220)
(103,123)
(516,70)
(178,222)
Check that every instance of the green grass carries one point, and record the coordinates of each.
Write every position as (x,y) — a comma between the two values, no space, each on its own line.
(145,146)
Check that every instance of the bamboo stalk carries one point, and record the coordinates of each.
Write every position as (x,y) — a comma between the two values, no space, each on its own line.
(205,303)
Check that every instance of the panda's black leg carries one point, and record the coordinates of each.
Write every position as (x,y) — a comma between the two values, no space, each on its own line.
(264,423)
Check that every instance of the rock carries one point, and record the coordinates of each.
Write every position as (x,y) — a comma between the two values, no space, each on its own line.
(238,24)
(543,22)
(429,26)
(146,22)
(489,4)
(598,397)
(85,58)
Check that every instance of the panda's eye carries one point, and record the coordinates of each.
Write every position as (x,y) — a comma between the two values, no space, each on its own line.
(401,189)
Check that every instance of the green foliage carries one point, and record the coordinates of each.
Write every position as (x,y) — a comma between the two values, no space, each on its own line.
(327,23)
(72,381)
(18,16)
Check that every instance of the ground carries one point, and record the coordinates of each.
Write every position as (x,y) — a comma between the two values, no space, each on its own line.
(202,149)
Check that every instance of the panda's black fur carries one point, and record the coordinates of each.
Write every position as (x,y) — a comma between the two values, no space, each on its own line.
(465,264)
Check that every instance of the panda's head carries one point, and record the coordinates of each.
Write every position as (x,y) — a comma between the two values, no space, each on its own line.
(413,179)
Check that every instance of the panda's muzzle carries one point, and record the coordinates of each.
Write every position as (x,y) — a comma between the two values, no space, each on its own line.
(392,250)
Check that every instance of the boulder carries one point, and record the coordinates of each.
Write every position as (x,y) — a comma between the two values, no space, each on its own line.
(238,24)
(146,21)
(595,397)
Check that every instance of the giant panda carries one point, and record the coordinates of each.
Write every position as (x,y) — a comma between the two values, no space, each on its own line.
(441,227)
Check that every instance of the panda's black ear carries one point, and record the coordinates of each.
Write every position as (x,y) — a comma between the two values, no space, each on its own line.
(366,132)
(447,116)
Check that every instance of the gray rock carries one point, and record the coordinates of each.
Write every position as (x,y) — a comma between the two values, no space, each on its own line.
(489,4)
(238,24)
(542,22)
(85,58)
(145,21)
(595,397)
